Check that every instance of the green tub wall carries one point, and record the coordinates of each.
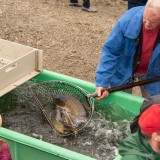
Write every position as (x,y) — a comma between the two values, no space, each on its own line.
(28,148)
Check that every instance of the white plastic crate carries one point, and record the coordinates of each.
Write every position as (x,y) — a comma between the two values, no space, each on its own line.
(18,64)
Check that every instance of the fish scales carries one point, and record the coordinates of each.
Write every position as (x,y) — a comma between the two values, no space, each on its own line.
(75,106)
(71,104)
(68,115)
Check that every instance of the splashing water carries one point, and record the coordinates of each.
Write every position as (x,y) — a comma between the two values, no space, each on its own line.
(99,139)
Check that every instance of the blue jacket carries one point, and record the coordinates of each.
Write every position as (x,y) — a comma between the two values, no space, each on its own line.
(115,66)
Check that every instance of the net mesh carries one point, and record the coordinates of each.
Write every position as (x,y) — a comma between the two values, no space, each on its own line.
(75,97)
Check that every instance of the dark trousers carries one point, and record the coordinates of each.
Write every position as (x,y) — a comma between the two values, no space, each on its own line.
(86,3)
(135,4)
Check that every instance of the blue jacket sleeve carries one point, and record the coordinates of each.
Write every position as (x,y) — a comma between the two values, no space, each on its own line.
(111,52)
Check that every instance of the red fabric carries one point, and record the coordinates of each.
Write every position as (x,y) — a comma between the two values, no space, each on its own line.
(149,120)
(5,152)
(149,38)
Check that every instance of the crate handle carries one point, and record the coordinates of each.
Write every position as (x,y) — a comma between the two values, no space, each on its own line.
(11,67)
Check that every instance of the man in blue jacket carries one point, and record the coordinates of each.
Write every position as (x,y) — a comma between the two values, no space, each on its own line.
(132,49)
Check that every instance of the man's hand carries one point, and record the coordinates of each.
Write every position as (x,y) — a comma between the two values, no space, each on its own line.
(102,93)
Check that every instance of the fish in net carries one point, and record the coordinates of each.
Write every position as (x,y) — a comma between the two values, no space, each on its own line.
(65,106)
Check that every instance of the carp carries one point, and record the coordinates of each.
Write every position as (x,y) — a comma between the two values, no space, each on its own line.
(68,115)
